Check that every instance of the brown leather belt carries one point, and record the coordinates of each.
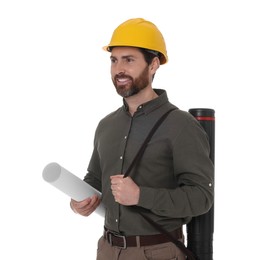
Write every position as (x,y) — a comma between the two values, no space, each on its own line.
(118,240)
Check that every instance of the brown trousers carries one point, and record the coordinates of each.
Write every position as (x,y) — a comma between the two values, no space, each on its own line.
(165,251)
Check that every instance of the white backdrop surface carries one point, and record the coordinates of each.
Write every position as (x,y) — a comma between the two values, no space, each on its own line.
(55,86)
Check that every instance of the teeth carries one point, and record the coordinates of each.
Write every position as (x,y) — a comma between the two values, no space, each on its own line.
(122,79)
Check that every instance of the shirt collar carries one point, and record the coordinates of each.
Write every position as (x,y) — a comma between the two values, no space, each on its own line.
(152,104)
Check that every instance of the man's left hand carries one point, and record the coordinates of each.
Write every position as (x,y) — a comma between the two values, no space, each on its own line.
(124,190)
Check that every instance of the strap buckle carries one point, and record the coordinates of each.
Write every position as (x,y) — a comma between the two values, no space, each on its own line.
(110,235)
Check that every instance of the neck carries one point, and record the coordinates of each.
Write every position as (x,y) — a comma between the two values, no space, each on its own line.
(142,97)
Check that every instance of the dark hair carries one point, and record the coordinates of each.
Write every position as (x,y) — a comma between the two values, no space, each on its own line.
(149,55)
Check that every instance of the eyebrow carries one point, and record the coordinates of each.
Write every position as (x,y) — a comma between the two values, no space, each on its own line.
(124,57)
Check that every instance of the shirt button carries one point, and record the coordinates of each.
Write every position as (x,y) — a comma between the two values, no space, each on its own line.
(121,157)
(125,137)
(116,220)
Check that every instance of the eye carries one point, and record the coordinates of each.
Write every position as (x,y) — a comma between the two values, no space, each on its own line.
(129,60)
(112,60)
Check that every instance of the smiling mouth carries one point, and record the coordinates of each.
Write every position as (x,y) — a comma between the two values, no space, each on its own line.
(122,80)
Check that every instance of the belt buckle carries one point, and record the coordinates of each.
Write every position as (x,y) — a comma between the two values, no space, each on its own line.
(109,237)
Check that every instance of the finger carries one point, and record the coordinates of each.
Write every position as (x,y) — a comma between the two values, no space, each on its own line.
(92,206)
(114,181)
(79,206)
(116,178)
(94,199)
(72,207)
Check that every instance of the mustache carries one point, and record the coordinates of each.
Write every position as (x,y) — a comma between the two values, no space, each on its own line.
(122,76)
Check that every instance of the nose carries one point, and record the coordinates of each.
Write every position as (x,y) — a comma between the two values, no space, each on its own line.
(118,68)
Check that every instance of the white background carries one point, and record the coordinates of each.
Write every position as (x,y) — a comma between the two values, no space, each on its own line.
(55,86)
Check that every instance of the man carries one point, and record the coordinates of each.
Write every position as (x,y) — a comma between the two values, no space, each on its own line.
(174,179)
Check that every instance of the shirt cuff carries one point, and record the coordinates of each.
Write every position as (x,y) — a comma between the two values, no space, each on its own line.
(147,197)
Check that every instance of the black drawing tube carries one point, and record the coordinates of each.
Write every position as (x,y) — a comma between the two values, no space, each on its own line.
(200,229)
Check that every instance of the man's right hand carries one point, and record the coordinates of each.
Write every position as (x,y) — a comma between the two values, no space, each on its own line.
(85,207)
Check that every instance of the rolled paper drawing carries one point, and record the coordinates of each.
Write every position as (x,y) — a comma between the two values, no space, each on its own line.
(70,184)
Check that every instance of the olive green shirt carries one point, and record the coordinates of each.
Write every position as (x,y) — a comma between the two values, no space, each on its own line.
(175,174)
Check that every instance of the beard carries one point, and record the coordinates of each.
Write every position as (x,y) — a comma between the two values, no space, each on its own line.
(132,86)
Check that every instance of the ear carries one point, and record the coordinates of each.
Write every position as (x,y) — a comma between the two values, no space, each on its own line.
(155,64)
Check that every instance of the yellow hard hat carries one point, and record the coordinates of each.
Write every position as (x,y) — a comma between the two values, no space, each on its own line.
(139,33)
